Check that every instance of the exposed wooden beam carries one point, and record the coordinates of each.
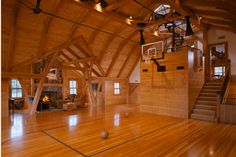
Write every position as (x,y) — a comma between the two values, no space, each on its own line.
(84,16)
(132,50)
(221,22)
(12,36)
(20,75)
(81,41)
(107,43)
(23,64)
(73,53)
(118,52)
(219,4)
(81,49)
(114,5)
(71,68)
(105,13)
(84,60)
(40,85)
(67,57)
(211,13)
(44,34)
(100,68)
(95,32)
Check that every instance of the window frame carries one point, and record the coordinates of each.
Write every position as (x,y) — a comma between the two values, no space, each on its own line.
(116,88)
(16,89)
(73,87)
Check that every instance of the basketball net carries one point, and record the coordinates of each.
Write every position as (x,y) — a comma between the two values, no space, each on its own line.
(147,59)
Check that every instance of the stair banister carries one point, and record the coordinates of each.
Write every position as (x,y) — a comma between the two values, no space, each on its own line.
(222,90)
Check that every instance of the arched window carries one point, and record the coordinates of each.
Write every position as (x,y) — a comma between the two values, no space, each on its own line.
(16,89)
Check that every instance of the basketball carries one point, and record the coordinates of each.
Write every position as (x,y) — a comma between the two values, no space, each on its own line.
(104,134)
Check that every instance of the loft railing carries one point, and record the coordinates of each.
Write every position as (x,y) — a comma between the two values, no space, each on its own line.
(222,90)
(230,101)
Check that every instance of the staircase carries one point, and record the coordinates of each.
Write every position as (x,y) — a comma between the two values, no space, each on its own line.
(205,106)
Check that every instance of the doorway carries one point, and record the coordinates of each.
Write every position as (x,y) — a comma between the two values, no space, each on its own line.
(218,60)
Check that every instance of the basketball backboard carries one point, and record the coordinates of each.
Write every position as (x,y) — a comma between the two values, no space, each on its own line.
(153,51)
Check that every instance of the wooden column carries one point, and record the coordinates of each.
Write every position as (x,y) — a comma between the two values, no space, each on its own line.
(206,53)
(40,85)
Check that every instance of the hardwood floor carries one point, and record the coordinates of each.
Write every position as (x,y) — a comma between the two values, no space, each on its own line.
(77,133)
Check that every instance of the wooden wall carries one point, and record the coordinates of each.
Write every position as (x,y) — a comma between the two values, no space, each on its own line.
(166,93)
(70,75)
(228,113)
(232,90)
(4,97)
(195,80)
(112,99)
(133,96)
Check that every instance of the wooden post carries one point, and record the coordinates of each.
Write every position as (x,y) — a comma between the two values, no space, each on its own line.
(40,85)
(206,53)
(218,108)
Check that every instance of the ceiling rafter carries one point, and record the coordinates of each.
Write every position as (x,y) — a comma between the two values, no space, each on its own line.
(84,16)
(12,35)
(217,14)
(132,50)
(95,32)
(107,43)
(219,4)
(118,52)
(44,35)
(217,21)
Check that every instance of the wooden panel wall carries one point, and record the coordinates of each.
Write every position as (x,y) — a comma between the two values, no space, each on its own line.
(228,114)
(165,93)
(195,81)
(4,98)
(134,90)
(110,97)
(67,76)
(232,90)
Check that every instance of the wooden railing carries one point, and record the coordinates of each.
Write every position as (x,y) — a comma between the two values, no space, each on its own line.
(222,90)
(230,101)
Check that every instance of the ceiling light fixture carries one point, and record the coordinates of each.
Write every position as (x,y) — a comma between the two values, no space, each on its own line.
(103,3)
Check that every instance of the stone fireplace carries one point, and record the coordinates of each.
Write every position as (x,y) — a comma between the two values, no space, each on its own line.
(51,98)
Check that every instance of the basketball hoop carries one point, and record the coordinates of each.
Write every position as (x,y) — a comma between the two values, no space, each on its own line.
(147,58)
(152,50)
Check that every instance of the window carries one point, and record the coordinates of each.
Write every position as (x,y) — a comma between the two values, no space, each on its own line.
(73,87)
(117,88)
(16,90)
(219,71)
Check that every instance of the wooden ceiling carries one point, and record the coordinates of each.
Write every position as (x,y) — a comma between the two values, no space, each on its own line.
(85,32)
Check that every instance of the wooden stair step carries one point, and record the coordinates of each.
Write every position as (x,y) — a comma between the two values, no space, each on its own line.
(206,102)
(209,91)
(206,107)
(211,87)
(203,117)
(213,83)
(208,94)
(204,112)
(213,98)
